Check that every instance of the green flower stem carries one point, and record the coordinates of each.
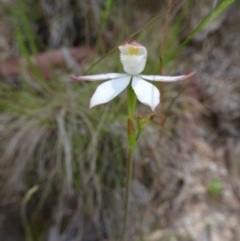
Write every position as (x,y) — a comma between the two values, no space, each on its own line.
(131,101)
(131,147)
(128,191)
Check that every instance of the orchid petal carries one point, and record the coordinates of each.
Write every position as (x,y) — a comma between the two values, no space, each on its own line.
(161,78)
(146,93)
(108,90)
(98,77)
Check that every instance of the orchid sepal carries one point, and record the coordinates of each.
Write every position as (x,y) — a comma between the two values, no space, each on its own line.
(161,78)
(98,77)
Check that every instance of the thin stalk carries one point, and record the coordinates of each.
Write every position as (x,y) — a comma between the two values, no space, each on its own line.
(131,147)
(128,192)
(161,84)
(138,135)
(104,18)
(25,223)
(172,103)
(26,226)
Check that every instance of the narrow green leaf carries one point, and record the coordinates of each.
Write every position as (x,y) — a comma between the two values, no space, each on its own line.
(217,11)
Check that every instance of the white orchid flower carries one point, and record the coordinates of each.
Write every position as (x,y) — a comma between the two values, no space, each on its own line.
(133,57)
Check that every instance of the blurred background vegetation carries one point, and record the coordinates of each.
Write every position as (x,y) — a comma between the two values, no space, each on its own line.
(62,166)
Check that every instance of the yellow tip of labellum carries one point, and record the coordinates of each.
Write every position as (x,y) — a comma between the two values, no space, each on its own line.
(132,51)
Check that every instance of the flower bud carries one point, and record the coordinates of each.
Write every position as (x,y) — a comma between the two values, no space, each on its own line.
(133,57)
